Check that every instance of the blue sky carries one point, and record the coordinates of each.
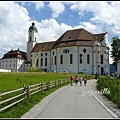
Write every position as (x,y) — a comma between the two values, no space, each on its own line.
(53,18)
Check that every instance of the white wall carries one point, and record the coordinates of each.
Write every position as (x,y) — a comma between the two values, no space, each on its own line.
(5,70)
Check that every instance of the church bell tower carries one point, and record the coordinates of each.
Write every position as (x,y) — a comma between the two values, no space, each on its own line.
(32,36)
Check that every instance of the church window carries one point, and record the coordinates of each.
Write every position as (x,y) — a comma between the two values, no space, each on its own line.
(71,58)
(41,54)
(45,54)
(80,58)
(53,52)
(37,63)
(45,61)
(61,59)
(30,38)
(66,51)
(84,50)
(101,59)
(88,58)
(41,62)
(55,60)
(52,61)
(35,39)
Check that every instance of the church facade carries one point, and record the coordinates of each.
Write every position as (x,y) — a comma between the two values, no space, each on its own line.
(76,51)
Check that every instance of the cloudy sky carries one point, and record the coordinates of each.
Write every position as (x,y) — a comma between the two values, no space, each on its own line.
(53,18)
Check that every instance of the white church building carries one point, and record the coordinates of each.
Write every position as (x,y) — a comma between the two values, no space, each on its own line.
(76,51)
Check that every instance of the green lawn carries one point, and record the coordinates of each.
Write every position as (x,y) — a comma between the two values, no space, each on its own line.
(13,81)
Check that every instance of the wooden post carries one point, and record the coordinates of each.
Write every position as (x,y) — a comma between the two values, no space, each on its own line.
(60,82)
(42,87)
(39,87)
(24,90)
(55,82)
(48,85)
(64,81)
(28,91)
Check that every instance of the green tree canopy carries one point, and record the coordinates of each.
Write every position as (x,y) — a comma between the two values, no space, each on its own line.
(115,53)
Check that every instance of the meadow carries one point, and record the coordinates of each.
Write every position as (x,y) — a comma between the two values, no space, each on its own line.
(13,81)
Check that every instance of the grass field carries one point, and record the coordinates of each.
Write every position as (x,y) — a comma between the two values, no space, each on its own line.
(12,81)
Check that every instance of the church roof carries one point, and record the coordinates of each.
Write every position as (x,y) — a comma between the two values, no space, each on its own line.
(15,54)
(76,37)
(46,45)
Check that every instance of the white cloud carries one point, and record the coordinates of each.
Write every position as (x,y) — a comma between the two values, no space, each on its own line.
(13,22)
(39,5)
(56,7)
(104,14)
(52,29)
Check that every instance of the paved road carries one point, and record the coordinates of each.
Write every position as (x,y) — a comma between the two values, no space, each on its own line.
(71,102)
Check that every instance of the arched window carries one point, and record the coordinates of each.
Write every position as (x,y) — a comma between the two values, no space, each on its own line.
(55,60)
(71,58)
(30,38)
(61,59)
(37,63)
(41,62)
(101,59)
(88,58)
(80,58)
(45,61)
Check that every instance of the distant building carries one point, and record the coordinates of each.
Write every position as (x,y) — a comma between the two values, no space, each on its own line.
(75,51)
(14,60)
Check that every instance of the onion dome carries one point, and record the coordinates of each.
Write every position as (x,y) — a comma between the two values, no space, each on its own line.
(33,27)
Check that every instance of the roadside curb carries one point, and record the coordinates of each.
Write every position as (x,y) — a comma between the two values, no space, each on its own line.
(108,109)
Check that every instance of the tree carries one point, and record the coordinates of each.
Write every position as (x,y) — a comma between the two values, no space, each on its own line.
(115,53)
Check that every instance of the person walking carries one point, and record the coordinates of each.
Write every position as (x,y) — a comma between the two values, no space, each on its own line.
(80,79)
(76,80)
(85,81)
(71,80)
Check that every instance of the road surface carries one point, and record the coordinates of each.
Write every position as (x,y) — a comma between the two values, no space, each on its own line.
(70,102)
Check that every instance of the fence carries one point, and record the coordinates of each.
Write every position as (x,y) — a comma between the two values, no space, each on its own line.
(25,92)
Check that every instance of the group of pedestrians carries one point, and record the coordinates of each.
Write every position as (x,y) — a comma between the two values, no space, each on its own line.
(78,79)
